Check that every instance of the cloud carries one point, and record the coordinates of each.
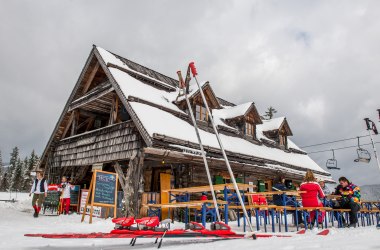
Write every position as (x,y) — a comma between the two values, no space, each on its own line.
(313,110)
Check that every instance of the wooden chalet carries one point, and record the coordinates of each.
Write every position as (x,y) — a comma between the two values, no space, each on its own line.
(133,120)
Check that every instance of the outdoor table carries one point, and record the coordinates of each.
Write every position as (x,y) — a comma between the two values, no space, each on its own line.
(370,204)
(201,204)
(284,194)
(184,194)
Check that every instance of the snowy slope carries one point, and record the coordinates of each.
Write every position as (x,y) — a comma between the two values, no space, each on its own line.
(16,220)
(370,192)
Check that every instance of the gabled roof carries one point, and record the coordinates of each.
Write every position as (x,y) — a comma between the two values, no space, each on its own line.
(228,113)
(194,92)
(276,124)
(225,102)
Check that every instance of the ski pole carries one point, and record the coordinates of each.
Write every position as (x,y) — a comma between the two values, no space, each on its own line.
(194,73)
(183,87)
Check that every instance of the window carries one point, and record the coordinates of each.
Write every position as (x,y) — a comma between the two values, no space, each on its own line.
(201,113)
(283,140)
(249,129)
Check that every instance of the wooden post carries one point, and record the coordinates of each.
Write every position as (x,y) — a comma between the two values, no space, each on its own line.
(88,195)
(115,208)
(92,195)
(116,109)
(110,120)
(131,183)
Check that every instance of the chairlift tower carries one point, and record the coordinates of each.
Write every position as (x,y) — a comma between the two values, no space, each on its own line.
(372,127)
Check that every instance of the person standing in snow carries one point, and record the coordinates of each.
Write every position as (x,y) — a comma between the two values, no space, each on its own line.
(65,187)
(279,185)
(312,196)
(39,191)
(350,199)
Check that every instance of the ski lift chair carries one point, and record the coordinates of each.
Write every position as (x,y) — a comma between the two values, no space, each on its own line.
(363,154)
(332,163)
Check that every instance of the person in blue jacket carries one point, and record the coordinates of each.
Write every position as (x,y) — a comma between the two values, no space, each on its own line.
(279,185)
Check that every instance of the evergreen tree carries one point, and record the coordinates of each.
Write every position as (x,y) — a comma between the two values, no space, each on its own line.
(17,178)
(24,174)
(15,156)
(28,179)
(1,172)
(269,114)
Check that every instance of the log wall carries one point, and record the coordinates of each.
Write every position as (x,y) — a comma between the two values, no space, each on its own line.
(111,143)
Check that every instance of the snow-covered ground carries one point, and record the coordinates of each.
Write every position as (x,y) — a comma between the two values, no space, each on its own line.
(16,219)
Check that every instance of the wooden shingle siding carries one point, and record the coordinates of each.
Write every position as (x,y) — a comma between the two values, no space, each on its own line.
(111,143)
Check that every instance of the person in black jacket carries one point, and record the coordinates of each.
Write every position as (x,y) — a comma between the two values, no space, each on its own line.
(39,190)
(279,185)
(350,199)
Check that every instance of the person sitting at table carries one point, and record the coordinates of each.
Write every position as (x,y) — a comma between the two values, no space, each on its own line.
(325,188)
(204,196)
(279,185)
(350,199)
(310,198)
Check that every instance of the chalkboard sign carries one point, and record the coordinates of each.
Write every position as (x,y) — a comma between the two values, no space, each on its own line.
(105,188)
(102,192)
(74,195)
(52,198)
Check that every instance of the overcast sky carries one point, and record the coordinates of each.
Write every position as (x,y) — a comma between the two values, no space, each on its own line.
(316,62)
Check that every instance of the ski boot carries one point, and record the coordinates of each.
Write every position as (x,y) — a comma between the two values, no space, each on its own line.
(35,215)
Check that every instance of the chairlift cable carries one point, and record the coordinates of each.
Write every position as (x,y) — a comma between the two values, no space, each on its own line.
(327,150)
(330,142)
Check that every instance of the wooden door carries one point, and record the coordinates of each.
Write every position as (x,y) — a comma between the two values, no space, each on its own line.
(164,185)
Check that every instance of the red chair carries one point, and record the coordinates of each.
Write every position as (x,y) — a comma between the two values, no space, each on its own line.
(124,222)
(149,221)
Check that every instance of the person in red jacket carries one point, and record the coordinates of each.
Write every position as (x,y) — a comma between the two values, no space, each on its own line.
(312,196)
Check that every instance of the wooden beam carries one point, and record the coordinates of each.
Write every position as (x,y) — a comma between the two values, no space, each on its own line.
(91,96)
(116,111)
(111,120)
(90,78)
(85,122)
(74,122)
(89,125)
(68,125)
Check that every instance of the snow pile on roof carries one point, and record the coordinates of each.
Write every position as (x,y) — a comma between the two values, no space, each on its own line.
(291,144)
(260,133)
(110,58)
(232,112)
(193,89)
(272,124)
(172,126)
(130,86)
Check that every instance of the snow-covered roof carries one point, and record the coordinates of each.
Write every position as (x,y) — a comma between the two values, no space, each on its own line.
(232,112)
(272,124)
(110,58)
(158,121)
(173,126)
